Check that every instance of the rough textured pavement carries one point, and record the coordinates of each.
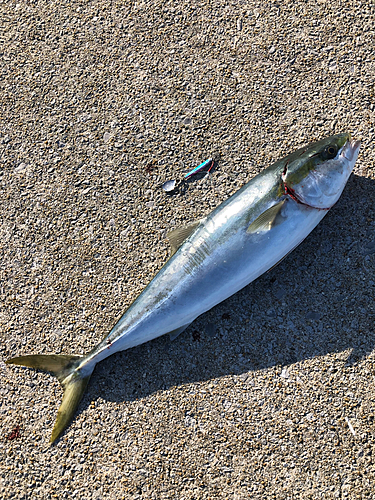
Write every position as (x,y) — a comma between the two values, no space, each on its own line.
(270,395)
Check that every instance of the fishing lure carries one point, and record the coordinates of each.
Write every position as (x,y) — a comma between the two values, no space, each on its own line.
(170,185)
(200,167)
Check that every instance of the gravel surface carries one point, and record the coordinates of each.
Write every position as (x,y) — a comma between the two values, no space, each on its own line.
(270,394)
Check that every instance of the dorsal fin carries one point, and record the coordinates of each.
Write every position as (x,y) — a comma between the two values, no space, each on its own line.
(179,235)
(268,219)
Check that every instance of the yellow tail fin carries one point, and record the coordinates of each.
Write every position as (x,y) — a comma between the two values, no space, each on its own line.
(74,384)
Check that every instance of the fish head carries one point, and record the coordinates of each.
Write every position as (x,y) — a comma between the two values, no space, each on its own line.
(316,175)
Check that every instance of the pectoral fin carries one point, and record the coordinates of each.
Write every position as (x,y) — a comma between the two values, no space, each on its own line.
(179,235)
(268,219)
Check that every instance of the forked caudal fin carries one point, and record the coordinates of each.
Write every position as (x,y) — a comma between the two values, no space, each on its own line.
(65,368)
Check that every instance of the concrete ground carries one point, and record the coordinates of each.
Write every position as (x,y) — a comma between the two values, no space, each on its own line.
(270,395)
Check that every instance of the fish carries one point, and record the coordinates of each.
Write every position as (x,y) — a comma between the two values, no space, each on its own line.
(216,256)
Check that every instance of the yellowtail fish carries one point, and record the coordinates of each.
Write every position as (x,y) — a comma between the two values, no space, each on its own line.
(216,256)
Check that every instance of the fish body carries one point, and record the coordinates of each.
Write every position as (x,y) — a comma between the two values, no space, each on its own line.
(219,258)
(215,257)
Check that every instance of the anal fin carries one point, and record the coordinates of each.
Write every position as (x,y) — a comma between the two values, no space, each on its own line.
(175,333)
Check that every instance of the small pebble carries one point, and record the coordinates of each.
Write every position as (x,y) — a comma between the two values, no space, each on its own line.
(106,136)
(169,186)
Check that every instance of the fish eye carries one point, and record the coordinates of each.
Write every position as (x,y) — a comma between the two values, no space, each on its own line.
(330,152)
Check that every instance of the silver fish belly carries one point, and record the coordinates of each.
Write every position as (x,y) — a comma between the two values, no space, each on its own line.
(216,261)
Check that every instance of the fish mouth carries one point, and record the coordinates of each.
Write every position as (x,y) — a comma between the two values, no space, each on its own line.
(350,150)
